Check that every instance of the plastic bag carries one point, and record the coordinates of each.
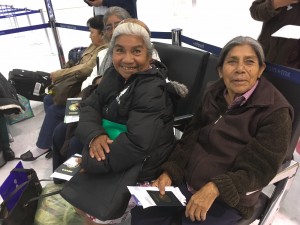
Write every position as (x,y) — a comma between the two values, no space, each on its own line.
(55,210)
(26,114)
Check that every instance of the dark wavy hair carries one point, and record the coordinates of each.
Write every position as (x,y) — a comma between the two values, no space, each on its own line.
(96,22)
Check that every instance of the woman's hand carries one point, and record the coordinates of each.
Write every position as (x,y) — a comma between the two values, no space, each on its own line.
(100,145)
(161,182)
(282,3)
(96,2)
(201,202)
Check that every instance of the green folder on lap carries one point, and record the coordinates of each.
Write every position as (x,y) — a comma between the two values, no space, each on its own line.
(113,129)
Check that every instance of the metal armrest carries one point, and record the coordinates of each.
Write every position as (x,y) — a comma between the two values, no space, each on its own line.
(179,124)
(283,181)
(183,119)
(287,170)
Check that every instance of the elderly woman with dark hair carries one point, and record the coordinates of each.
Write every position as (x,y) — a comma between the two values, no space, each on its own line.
(54,114)
(234,145)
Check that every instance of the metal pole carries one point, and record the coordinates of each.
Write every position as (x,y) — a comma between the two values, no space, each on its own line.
(194,3)
(46,31)
(15,19)
(176,36)
(52,22)
(28,18)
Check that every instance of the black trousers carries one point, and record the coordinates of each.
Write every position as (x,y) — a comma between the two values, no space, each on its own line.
(4,139)
(218,214)
(75,146)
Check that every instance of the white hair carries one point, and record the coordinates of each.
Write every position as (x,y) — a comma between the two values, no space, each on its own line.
(131,29)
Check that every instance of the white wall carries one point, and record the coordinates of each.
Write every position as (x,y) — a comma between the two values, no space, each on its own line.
(212,22)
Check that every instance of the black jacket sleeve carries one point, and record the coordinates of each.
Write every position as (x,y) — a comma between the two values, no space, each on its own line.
(147,104)
(262,10)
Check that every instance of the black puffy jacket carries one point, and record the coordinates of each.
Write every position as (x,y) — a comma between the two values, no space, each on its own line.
(145,104)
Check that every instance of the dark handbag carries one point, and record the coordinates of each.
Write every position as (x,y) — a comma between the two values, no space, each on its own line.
(104,196)
(17,208)
(64,87)
(75,55)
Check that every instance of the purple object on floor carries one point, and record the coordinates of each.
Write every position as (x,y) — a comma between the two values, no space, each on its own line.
(10,184)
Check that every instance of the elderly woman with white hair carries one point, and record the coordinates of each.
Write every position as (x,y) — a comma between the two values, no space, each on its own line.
(133,92)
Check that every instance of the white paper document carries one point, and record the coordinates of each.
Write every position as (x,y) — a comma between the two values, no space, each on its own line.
(72,110)
(149,196)
(288,31)
(68,169)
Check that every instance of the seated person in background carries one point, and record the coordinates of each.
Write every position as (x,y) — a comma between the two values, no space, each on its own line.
(55,113)
(235,144)
(9,104)
(64,132)
(6,153)
(112,17)
(132,92)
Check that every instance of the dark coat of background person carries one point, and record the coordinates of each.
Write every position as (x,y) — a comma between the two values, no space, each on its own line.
(129,5)
(282,51)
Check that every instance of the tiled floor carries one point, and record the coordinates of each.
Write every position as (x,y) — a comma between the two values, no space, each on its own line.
(213,22)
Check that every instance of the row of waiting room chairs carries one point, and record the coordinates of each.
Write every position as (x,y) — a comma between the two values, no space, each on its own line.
(195,69)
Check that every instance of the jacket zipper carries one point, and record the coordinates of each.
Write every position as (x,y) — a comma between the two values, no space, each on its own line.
(218,119)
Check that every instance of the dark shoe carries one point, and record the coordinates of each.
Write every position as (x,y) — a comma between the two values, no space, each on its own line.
(8,154)
(49,155)
(27,156)
(2,159)
(58,181)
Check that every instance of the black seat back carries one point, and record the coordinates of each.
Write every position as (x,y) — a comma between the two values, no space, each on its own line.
(187,66)
(210,75)
(291,90)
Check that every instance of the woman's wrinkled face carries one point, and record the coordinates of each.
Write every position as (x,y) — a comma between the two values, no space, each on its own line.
(240,70)
(96,37)
(130,55)
(111,23)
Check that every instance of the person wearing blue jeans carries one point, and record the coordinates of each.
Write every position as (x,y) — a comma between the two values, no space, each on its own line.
(54,115)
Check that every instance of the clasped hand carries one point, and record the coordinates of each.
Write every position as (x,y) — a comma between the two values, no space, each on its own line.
(282,3)
(200,202)
(96,2)
(100,146)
